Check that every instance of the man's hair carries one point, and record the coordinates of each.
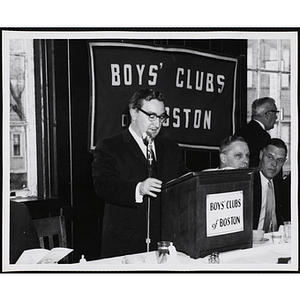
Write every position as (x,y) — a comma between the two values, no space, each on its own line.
(228,141)
(136,101)
(260,106)
(277,143)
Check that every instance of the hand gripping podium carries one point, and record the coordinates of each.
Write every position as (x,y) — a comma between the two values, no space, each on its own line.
(208,211)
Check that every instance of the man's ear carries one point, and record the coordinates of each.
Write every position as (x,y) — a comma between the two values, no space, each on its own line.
(133,114)
(260,154)
(223,158)
(267,115)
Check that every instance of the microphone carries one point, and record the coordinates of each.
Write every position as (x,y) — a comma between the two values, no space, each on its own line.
(147,138)
(148,141)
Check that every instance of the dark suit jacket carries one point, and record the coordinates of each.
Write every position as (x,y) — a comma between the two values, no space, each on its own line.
(282,199)
(118,166)
(256,138)
(23,235)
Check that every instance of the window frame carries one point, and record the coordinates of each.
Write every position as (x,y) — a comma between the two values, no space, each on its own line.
(254,67)
(29,136)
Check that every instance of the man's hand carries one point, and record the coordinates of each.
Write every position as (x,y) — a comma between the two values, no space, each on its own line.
(150,186)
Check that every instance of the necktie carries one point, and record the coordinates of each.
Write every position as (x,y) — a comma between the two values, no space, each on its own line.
(151,160)
(270,222)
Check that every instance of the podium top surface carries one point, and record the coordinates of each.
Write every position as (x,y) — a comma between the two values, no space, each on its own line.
(234,174)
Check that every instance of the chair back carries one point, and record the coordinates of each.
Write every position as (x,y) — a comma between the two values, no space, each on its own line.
(51,232)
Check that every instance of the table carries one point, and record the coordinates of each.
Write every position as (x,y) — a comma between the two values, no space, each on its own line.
(262,256)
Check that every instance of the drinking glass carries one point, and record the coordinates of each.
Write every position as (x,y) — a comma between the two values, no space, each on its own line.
(163,251)
(287,231)
(276,235)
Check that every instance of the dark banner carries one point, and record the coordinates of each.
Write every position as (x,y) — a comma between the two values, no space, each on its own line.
(199,91)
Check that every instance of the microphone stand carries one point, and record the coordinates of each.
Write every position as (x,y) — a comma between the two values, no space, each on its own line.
(148,141)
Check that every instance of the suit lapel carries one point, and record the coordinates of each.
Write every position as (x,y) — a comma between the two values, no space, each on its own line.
(133,146)
(256,198)
(135,149)
(159,156)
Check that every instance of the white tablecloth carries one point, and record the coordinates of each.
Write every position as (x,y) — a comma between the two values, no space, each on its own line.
(262,256)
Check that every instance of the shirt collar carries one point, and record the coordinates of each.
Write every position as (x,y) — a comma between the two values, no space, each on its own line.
(264,180)
(139,141)
(135,136)
(260,123)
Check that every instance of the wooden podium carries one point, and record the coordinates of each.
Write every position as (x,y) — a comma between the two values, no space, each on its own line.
(210,211)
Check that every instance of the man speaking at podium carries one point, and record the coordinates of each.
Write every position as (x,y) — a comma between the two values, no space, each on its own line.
(121,179)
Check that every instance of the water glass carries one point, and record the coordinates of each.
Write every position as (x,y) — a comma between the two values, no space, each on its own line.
(163,252)
(287,231)
(276,237)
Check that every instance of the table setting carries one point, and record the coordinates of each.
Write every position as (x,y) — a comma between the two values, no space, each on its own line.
(272,249)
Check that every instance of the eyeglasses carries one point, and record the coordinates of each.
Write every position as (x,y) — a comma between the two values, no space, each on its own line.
(280,161)
(272,110)
(152,117)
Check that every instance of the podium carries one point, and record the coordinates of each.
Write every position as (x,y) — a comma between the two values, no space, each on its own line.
(209,211)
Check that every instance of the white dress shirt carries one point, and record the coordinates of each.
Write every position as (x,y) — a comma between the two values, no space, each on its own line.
(264,190)
(139,140)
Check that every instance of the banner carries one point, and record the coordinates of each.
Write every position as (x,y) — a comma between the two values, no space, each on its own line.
(199,91)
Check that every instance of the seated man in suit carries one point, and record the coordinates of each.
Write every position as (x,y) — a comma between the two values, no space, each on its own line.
(234,154)
(23,235)
(271,204)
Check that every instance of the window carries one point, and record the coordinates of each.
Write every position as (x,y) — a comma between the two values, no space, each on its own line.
(16,145)
(23,167)
(269,75)
(32,118)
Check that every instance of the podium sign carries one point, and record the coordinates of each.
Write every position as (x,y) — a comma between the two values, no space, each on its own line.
(204,212)
(224,213)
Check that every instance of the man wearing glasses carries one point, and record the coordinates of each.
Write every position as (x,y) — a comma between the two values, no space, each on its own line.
(264,116)
(271,202)
(121,179)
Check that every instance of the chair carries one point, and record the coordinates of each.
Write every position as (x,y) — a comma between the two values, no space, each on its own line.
(83,225)
(51,232)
